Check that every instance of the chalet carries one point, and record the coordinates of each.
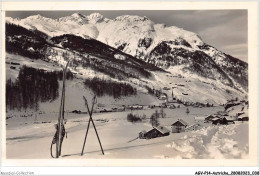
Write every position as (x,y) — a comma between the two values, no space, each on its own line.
(216,121)
(209,118)
(243,118)
(227,120)
(158,131)
(179,126)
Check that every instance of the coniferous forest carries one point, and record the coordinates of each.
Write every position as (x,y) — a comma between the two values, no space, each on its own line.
(103,87)
(31,87)
(37,85)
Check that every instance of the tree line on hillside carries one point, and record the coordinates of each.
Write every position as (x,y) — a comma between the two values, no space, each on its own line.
(31,87)
(102,87)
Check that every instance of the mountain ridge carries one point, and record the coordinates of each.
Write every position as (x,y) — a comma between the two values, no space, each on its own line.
(143,43)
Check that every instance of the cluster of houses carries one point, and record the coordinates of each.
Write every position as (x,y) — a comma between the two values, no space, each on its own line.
(237,109)
(224,118)
(160,131)
(221,118)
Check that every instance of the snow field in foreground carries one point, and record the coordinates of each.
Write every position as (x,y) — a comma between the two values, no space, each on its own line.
(214,142)
(32,140)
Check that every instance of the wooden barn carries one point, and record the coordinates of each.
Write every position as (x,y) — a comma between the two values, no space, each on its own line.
(179,126)
(158,131)
(216,121)
(227,120)
(243,118)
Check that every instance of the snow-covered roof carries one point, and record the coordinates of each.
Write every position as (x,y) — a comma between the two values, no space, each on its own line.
(229,118)
(215,118)
(209,117)
(181,121)
(162,129)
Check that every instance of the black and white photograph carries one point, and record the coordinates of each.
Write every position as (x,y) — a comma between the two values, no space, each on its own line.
(127,84)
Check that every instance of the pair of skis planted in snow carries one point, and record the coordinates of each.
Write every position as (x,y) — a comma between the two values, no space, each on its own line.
(58,137)
(94,101)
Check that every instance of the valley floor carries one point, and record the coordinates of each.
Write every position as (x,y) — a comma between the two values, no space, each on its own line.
(30,137)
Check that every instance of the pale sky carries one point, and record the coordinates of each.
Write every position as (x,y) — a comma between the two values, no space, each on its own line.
(226,30)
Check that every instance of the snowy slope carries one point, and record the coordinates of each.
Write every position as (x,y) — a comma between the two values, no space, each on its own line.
(75,89)
(197,89)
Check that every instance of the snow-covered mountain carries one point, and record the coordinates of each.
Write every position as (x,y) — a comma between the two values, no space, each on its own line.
(131,49)
(163,46)
(124,30)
